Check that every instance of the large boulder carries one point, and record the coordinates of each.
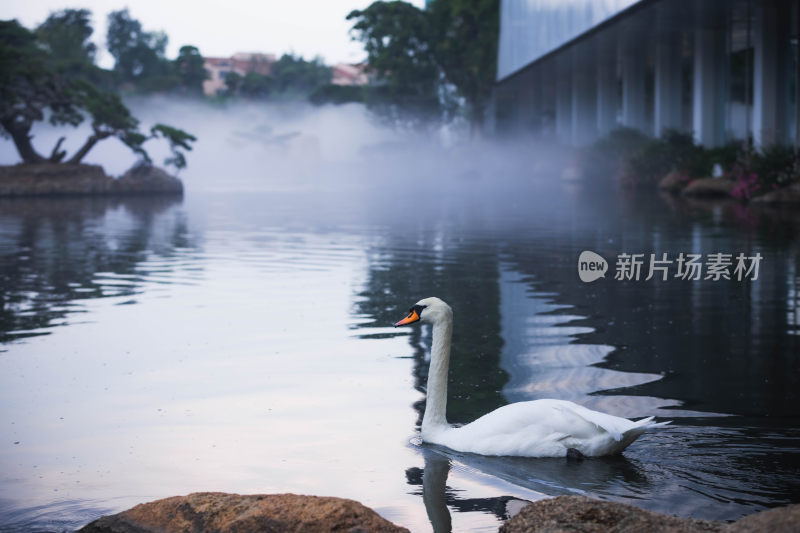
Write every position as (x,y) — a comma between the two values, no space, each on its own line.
(785,195)
(148,179)
(231,513)
(710,187)
(673,182)
(571,514)
(780,520)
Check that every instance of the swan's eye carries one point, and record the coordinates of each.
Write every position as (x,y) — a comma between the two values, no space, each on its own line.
(417,309)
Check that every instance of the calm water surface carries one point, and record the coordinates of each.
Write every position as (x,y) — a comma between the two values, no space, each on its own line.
(242,342)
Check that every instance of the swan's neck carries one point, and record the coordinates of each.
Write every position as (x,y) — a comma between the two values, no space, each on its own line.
(436,401)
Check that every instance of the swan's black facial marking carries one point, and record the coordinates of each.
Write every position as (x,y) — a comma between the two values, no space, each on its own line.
(418,309)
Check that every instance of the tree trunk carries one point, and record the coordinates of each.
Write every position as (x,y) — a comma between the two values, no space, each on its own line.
(476,122)
(88,145)
(22,140)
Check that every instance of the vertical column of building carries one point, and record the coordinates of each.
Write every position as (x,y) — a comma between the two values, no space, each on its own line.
(667,108)
(584,95)
(710,59)
(549,91)
(534,125)
(771,36)
(564,98)
(607,84)
(633,80)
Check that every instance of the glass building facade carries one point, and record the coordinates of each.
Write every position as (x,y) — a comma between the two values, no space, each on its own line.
(573,70)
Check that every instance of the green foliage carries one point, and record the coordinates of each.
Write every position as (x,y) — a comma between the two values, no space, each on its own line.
(65,34)
(139,55)
(420,56)
(190,69)
(465,46)
(757,172)
(251,85)
(294,75)
(646,160)
(621,143)
(35,82)
(178,139)
(673,151)
(702,164)
(338,94)
(29,86)
(23,69)
(777,165)
(398,37)
(290,77)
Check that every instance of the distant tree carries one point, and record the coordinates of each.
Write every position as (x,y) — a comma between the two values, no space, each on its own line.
(251,85)
(33,87)
(139,55)
(465,37)
(397,37)
(233,81)
(293,74)
(66,36)
(190,69)
(255,85)
(419,55)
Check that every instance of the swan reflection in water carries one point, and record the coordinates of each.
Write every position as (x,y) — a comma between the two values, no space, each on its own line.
(533,479)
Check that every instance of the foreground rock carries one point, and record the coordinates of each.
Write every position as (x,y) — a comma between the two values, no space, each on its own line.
(786,195)
(67,179)
(780,520)
(571,514)
(232,513)
(578,513)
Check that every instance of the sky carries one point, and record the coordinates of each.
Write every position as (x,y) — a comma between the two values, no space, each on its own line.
(220,29)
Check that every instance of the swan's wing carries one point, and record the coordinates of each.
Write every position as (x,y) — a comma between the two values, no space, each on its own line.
(613,425)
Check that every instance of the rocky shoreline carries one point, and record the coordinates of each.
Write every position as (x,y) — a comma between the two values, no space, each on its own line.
(232,513)
(62,179)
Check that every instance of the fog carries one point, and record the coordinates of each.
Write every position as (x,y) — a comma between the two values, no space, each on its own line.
(257,146)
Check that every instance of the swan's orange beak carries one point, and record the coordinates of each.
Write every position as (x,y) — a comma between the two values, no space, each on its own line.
(412,317)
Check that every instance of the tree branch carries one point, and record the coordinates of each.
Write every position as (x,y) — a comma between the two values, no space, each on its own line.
(83,150)
(55,155)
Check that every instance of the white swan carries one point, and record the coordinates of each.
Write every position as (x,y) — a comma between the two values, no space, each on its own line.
(538,428)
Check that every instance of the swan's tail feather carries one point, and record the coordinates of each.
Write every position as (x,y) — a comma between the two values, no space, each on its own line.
(635,432)
(647,423)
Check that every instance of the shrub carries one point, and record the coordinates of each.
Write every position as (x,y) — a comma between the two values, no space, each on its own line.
(757,173)
(337,94)
(621,143)
(652,161)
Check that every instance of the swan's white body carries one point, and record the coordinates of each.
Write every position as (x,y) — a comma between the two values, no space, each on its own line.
(539,428)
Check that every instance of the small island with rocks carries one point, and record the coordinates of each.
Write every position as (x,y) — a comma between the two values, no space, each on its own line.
(48,179)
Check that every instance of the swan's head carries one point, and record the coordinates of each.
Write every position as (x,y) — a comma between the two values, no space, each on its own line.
(429,310)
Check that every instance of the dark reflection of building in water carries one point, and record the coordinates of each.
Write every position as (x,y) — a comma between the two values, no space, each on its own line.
(721,346)
(56,252)
(467,278)
(686,349)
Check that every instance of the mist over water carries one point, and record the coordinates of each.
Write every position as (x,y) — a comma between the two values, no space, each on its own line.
(239,339)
